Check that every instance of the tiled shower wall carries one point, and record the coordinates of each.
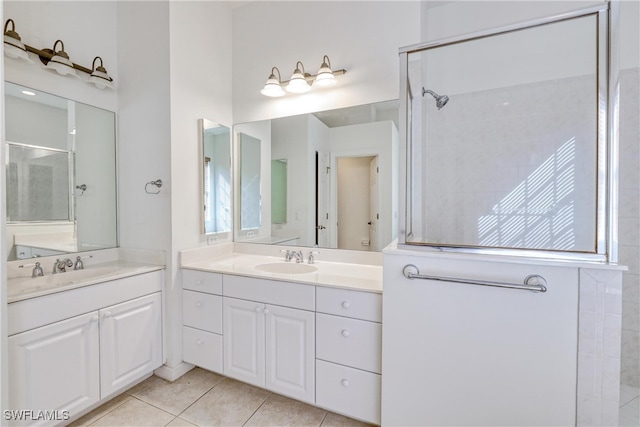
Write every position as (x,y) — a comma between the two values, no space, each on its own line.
(512,167)
(629,224)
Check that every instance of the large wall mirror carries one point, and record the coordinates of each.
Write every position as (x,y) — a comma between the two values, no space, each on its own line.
(216,177)
(325,179)
(60,174)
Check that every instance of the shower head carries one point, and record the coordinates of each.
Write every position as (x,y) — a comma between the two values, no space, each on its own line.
(441,100)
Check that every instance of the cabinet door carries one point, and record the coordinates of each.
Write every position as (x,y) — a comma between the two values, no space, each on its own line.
(130,341)
(55,367)
(244,340)
(290,352)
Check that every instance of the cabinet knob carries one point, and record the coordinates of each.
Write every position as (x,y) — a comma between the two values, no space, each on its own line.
(266,311)
(258,309)
(345,304)
(345,382)
(199,282)
(198,304)
(345,332)
(199,342)
(107,314)
(95,319)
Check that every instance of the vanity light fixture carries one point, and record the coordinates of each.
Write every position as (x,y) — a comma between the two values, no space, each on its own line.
(298,82)
(55,60)
(99,76)
(13,46)
(325,77)
(59,61)
(273,86)
(301,81)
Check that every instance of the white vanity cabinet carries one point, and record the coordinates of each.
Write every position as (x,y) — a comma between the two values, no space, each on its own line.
(348,352)
(130,342)
(317,344)
(202,319)
(66,361)
(269,345)
(56,367)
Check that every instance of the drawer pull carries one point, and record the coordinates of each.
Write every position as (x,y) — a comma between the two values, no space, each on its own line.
(95,319)
(345,332)
(198,304)
(345,304)
(199,342)
(107,314)
(345,382)
(258,309)
(199,282)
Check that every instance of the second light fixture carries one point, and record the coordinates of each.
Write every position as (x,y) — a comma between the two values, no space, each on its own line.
(300,79)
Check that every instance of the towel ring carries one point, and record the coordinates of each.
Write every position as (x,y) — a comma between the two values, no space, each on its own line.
(157,183)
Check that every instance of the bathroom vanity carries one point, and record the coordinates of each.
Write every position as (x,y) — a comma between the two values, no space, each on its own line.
(315,336)
(80,337)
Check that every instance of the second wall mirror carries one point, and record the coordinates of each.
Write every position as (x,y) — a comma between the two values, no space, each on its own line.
(325,179)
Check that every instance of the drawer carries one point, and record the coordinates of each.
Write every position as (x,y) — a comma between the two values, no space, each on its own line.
(202,311)
(202,349)
(348,391)
(344,302)
(351,342)
(270,291)
(202,281)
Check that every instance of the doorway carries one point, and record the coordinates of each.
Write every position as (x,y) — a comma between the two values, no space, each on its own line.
(357,203)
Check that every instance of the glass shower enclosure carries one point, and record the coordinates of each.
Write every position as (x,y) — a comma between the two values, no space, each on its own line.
(508,148)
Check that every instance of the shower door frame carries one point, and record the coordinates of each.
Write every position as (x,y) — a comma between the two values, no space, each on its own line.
(608,95)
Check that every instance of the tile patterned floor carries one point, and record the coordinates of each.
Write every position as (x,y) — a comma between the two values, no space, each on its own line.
(202,398)
(629,406)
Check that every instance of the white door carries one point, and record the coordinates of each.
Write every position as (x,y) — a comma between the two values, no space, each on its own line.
(244,340)
(323,200)
(55,367)
(130,341)
(373,205)
(290,352)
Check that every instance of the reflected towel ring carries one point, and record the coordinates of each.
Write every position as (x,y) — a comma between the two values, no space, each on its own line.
(157,183)
(81,187)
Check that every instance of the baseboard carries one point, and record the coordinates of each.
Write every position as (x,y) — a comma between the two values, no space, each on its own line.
(173,373)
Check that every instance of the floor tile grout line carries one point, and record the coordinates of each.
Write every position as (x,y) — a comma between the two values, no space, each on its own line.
(154,406)
(205,393)
(258,408)
(324,418)
(106,413)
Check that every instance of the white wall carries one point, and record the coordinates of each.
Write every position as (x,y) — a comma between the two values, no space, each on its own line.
(4,369)
(362,37)
(199,75)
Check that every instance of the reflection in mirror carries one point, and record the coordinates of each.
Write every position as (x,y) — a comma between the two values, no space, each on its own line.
(40,180)
(337,186)
(61,175)
(216,177)
(250,202)
(279,191)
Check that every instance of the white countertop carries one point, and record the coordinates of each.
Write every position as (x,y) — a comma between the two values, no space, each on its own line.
(21,288)
(362,277)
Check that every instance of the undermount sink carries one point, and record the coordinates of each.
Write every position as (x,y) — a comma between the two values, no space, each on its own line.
(286,268)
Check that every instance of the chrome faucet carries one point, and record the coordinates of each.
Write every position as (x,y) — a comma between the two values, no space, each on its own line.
(311,258)
(78,264)
(298,256)
(60,266)
(289,255)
